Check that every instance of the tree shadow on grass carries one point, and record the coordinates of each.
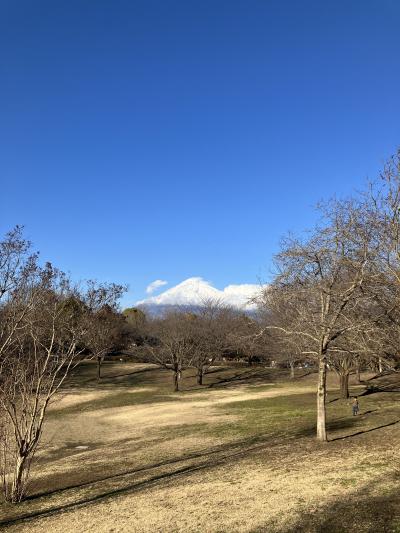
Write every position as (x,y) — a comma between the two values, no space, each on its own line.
(239,446)
(131,481)
(343,423)
(225,451)
(307,373)
(84,378)
(85,492)
(388,382)
(245,376)
(128,489)
(355,513)
(369,430)
(309,430)
(251,376)
(373,389)
(135,372)
(382,375)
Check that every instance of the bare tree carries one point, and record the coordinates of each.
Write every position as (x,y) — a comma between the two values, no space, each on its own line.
(383,198)
(243,338)
(17,269)
(319,282)
(37,362)
(173,344)
(343,363)
(43,327)
(105,328)
(288,349)
(211,327)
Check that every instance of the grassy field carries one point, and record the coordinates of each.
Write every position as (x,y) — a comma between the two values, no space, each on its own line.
(239,454)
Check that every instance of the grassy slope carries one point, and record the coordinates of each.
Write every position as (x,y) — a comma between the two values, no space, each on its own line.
(235,455)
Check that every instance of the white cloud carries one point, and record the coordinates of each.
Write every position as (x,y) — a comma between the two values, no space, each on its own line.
(154,285)
(194,291)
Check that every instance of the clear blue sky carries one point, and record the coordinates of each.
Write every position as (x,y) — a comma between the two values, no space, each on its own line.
(170,139)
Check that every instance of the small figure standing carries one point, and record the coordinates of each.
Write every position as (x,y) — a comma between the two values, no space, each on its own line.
(355,406)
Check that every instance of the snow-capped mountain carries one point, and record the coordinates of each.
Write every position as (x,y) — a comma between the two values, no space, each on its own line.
(195,292)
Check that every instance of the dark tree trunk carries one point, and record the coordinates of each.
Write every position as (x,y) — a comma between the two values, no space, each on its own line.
(99,368)
(344,385)
(321,400)
(200,374)
(176,381)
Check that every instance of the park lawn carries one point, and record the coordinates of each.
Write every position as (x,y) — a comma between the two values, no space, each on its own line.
(238,454)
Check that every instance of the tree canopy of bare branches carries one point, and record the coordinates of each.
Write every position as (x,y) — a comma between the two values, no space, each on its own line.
(45,324)
(320,285)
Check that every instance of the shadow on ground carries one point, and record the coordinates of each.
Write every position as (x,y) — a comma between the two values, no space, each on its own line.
(382,383)
(90,487)
(123,375)
(46,503)
(253,376)
(360,513)
(84,377)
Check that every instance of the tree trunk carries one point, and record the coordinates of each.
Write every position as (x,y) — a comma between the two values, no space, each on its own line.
(291,363)
(321,400)
(344,385)
(358,372)
(200,377)
(380,365)
(98,368)
(17,488)
(176,381)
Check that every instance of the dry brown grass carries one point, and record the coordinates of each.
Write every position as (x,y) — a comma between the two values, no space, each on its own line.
(173,466)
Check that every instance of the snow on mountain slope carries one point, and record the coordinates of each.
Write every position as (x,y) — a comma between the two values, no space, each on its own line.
(196,291)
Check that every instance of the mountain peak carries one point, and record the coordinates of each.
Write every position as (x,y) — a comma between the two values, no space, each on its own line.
(196,291)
